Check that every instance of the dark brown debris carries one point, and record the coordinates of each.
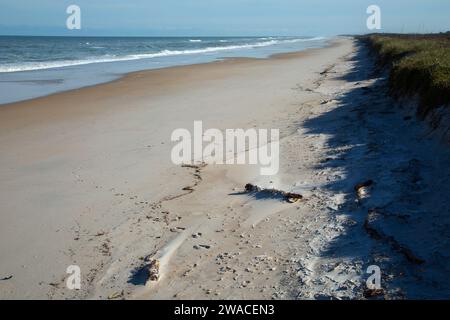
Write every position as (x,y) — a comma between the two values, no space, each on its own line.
(372,293)
(365,184)
(362,189)
(287,196)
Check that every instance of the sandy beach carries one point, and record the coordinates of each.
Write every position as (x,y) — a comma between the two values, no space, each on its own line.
(87,179)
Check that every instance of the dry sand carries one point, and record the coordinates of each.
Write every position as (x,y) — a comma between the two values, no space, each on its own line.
(86,179)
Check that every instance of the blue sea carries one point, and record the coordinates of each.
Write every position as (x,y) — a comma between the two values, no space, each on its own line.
(36,66)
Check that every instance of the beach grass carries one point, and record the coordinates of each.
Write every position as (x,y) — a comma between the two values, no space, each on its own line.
(419,66)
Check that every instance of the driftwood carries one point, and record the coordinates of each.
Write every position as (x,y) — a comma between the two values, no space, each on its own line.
(288,196)
(153,270)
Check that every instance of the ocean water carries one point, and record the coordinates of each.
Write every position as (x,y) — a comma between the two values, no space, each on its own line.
(36,66)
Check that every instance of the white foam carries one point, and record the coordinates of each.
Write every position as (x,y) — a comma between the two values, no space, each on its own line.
(29,66)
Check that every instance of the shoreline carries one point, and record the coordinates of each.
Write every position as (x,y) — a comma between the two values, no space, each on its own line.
(120,76)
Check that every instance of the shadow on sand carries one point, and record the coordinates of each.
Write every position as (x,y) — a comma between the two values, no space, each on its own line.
(370,138)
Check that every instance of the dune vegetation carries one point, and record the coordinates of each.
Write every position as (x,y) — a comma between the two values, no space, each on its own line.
(419,66)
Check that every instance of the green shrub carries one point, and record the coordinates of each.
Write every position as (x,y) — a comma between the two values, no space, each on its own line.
(420,65)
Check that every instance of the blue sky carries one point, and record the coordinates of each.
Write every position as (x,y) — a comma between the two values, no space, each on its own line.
(220,17)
